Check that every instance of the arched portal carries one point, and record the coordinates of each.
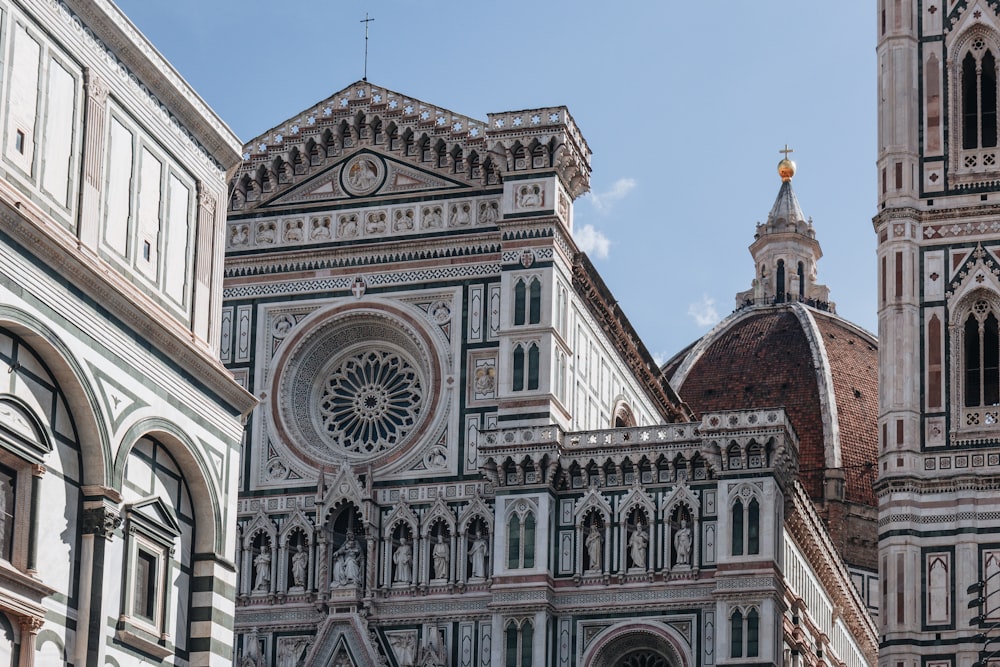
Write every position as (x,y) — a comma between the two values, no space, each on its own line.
(644,645)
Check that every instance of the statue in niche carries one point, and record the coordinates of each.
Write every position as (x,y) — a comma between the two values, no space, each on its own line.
(441,556)
(262,570)
(638,545)
(682,544)
(594,544)
(300,567)
(478,553)
(403,558)
(346,563)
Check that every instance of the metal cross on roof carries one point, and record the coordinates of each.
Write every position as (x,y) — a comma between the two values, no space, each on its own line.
(366,21)
(786,151)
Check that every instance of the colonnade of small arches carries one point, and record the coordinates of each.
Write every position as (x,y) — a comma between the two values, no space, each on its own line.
(425,147)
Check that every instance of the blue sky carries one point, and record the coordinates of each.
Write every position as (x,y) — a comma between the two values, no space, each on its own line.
(685,107)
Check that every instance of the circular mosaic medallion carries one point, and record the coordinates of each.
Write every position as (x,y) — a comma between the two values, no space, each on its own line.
(369,401)
(363,174)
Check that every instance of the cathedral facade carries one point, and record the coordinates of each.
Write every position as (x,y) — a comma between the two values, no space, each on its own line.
(119,427)
(939,304)
(464,455)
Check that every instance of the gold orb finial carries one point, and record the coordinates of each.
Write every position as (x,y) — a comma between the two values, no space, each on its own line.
(786,168)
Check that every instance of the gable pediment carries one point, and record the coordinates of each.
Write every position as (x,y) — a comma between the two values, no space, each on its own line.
(363,174)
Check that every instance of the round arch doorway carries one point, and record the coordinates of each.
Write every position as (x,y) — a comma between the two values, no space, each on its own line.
(637,648)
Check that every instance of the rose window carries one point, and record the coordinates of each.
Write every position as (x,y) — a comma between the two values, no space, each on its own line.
(370,401)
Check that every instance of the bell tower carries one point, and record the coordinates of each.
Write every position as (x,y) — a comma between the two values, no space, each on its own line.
(938,230)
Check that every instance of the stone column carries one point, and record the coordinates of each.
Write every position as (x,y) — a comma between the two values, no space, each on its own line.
(205,250)
(93,159)
(100,520)
(30,625)
(36,489)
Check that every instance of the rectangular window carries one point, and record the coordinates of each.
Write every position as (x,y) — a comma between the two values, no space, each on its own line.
(144,605)
(899,175)
(19,142)
(736,636)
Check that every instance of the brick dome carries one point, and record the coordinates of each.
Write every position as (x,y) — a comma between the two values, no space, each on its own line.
(820,368)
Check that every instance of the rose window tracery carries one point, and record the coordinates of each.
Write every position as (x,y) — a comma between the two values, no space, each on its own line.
(370,401)
(357,383)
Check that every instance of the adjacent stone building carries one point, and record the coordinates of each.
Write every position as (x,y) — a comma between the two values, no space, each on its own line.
(464,455)
(119,427)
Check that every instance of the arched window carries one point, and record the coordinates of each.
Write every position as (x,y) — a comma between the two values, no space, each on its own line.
(535,302)
(518,383)
(736,634)
(737,540)
(514,542)
(982,357)
(802,282)
(979,97)
(518,644)
(753,632)
(527,301)
(520,371)
(519,298)
(746,524)
(521,541)
(744,634)
(532,366)
(779,282)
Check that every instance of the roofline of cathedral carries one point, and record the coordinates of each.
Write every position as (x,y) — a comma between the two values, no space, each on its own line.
(604,307)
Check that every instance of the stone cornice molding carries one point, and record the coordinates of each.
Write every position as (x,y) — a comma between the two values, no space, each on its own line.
(373,255)
(958,483)
(109,25)
(54,246)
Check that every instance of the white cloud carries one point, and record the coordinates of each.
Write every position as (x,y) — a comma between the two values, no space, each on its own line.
(602,201)
(703,312)
(592,241)
(660,358)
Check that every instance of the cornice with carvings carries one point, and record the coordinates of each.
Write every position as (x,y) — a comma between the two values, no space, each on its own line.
(109,33)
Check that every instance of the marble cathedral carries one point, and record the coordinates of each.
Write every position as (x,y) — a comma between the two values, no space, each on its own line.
(938,230)
(465,456)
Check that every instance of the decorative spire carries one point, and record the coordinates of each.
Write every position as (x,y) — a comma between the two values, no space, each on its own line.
(785,252)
